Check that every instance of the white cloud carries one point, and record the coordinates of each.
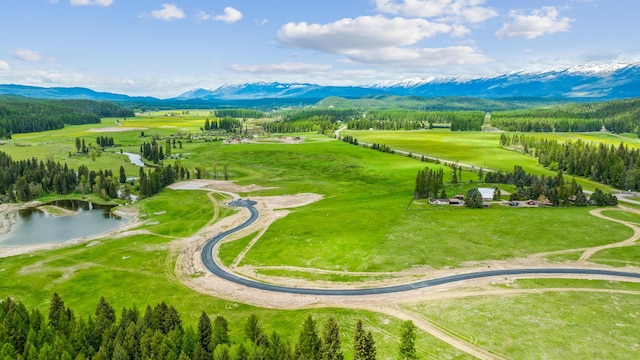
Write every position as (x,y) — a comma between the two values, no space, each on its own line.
(168,12)
(281,68)
(90,2)
(453,55)
(4,66)
(27,55)
(540,22)
(365,32)
(379,40)
(230,15)
(450,10)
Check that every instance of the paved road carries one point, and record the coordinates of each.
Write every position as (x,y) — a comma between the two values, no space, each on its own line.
(214,268)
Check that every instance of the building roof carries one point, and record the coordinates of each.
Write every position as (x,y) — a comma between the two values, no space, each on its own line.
(487,193)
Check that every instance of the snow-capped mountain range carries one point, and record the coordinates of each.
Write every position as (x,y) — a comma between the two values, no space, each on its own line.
(587,82)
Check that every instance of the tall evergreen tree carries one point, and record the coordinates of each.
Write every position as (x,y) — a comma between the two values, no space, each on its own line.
(276,349)
(56,310)
(220,331)
(253,329)
(408,341)
(309,344)
(331,345)
(204,331)
(123,176)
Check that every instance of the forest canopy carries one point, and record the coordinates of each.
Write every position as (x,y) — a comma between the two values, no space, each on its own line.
(24,115)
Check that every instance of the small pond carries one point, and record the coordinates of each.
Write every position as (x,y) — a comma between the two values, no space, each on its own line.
(35,227)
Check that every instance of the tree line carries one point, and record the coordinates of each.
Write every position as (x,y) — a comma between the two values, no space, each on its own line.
(239,113)
(227,123)
(24,115)
(615,166)
(429,183)
(618,116)
(25,180)
(159,333)
(399,119)
(317,124)
(556,189)
(103,141)
(153,152)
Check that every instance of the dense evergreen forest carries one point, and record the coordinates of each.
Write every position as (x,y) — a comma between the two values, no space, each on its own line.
(615,166)
(441,103)
(23,115)
(416,120)
(619,116)
(26,180)
(227,123)
(159,333)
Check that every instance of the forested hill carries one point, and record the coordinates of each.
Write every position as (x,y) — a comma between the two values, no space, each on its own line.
(618,116)
(23,115)
(441,103)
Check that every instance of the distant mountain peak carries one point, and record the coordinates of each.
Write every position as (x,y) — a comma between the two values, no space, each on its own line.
(589,81)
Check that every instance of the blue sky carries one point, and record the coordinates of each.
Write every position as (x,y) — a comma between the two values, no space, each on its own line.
(163,48)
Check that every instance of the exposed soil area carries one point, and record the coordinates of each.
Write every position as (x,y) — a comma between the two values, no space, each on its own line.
(115,129)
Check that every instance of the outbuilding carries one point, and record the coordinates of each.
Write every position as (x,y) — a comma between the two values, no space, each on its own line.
(487,193)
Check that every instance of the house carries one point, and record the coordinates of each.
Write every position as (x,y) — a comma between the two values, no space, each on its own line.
(439,201)
(487,193)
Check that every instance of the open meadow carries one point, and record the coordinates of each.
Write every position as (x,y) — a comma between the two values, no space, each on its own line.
(365,231)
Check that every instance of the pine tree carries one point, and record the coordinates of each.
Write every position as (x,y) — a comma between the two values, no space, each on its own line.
(309,344)
(369,347)
(473,199)
(241,353)
(252,328)
(204,331)
(277,349)
(408,341)
(359,342)
(123,177)
(220,331)
(331,345)
(56,310)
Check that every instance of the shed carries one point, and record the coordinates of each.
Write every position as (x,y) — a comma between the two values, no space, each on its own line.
(487,193)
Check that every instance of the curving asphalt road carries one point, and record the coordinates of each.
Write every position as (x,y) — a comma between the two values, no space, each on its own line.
(214,268)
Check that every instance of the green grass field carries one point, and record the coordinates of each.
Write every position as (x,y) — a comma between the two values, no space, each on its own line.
(479,149)
(363,224)
(550,325)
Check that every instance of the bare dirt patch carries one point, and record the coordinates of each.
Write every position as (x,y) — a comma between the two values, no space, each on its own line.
(115,129)
(53,210)
(216,185)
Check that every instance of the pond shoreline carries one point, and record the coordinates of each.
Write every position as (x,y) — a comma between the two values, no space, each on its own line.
(7,212)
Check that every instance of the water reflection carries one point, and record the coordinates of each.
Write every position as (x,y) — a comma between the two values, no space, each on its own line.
(34,226)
